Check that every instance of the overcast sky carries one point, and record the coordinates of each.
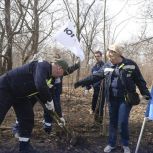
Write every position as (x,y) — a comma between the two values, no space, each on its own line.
(130,12)
(127,14)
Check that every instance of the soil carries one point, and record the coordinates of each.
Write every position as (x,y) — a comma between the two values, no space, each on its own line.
(89,137)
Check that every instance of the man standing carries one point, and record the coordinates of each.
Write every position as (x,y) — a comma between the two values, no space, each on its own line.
(97,109)
(17,86)
(96,86)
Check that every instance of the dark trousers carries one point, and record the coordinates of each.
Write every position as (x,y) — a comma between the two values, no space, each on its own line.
(95,98)
(23,110)
(25,116)
(98,101)
(6,102)
(119,116)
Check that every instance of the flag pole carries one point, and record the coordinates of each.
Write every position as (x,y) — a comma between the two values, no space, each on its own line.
(140,136)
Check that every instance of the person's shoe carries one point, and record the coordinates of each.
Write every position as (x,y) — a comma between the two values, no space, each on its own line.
(108,148)
(25,147)
(47,127)
(15,130)
(126,149)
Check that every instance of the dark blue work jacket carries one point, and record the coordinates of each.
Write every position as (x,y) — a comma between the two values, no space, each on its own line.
(31,79)
(129,74)
(94,70)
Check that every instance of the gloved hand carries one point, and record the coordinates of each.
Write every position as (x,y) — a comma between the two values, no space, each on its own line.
(50,105)
(85,92)
(47,127)
(147,97)
(62,122)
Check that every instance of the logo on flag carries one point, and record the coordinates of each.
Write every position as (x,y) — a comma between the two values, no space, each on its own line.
(67,37)
(149,110)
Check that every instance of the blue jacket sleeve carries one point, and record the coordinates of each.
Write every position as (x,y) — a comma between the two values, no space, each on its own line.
(72,68)
(140,82)
(40,78)
(90,80)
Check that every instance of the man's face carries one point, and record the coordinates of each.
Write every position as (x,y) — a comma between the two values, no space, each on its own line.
(98,57)
(58,71)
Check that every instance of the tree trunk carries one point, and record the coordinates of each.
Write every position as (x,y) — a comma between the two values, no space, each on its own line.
(9,34)
(104,32)
(35,29)
(78,36)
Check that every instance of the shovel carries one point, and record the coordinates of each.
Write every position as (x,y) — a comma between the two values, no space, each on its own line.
(71,136)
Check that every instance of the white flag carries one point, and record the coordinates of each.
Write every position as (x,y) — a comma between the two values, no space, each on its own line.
(67,37)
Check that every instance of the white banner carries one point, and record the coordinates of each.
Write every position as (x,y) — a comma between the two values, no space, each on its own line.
(67,37)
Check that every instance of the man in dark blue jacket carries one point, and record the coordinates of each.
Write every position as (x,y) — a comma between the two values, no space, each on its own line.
(56,91)
(97,109)
(19,85)
(121,76)
(96,86)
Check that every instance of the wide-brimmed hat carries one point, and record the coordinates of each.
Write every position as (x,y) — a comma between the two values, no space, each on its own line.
(117,48)
(62,63)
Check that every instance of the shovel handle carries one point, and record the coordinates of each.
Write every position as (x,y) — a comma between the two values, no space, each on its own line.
(55,116)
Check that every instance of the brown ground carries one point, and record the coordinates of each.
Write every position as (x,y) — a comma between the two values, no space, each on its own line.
(90,139)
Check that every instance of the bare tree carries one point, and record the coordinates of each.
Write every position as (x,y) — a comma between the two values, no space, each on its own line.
(11,25)
(104,31)
(91,30)
(2,57)
(79,16)
(34,32)
(9,33)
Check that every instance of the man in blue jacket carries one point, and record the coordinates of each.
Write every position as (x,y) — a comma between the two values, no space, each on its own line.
(19,85)
(97,109)
(121,75)
(96,86)
(56,91)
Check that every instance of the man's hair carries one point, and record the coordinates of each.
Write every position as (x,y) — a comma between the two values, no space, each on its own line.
(62,63)
(98,52)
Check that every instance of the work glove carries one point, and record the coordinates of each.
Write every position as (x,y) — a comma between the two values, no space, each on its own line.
(146,94)
(85,92)
(147,97)
(47,127)
(61,122)
(50,105)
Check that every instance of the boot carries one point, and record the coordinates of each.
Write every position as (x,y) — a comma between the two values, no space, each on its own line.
(47,127)
(25,147)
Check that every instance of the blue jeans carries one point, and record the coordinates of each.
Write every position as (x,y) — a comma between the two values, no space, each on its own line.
(119,116)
